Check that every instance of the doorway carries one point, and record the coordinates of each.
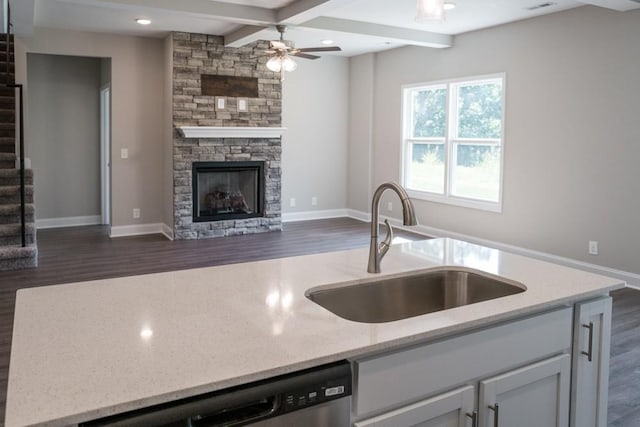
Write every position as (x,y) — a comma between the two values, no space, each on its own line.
(69,100)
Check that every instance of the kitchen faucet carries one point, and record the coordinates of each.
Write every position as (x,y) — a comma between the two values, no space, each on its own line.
(378,250)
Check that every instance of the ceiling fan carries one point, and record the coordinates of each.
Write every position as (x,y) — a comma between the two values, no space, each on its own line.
(282,50)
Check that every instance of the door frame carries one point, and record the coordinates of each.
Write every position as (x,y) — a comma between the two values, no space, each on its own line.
(105,154)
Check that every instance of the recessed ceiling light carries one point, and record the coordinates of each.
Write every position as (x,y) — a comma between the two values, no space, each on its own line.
(143,21)
(449,6)
(326,41)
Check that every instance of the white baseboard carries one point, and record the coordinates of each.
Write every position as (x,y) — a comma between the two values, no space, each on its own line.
(359,215)
(167,231)
(138,229)
(310,215)
(70,221)
(632,279)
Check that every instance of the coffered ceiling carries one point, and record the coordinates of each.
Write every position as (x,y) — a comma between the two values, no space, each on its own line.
(358,26)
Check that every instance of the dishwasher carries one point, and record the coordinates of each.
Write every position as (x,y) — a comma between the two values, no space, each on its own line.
(316,397)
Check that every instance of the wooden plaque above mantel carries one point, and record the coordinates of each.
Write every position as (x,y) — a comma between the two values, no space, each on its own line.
(213,85)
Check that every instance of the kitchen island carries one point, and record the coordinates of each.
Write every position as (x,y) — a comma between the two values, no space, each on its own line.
(87,350)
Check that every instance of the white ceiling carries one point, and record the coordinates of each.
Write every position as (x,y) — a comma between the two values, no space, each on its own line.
(358,26)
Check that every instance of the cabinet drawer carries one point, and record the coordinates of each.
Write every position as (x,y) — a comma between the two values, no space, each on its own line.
(389,380)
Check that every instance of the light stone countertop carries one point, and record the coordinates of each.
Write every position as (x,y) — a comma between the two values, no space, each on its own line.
(87,350)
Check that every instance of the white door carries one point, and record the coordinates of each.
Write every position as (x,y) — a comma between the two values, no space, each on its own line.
(590,381)
(452,409)
(536,395)
(105,157)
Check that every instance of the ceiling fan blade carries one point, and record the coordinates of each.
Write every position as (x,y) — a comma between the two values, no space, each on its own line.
(304,55)
(320,49)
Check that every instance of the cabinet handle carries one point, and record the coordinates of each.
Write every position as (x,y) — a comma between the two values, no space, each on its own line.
(496,409)
(589,353)
(474,418)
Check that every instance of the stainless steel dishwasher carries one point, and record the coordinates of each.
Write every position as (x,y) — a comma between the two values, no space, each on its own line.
(317,397)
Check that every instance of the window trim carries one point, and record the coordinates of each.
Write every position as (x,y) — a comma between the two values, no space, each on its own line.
(449,143)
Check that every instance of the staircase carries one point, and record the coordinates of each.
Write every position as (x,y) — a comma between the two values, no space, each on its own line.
(13,255)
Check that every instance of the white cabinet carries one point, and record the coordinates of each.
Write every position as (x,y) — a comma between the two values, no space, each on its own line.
(388,381)
(545,370)
(452,409)
(591,342)
(536,395)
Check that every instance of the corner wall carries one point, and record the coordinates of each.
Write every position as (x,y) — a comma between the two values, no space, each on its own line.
(572,140)
(315,111)
(167,123)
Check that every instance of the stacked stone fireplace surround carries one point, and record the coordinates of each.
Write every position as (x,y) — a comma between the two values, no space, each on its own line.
(197,54)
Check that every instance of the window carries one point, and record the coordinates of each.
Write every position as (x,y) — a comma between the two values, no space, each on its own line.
(453,141)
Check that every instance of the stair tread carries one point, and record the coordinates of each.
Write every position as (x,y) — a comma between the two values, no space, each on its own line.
(7,156)
(10,252)
(13,189)
(9,229)
(14,209)
(11,173)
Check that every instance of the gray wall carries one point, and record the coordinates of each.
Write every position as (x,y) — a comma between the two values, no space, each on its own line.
(64,144)
(314,147)
(167,187)
(137,101)
(361,95)
(572,139)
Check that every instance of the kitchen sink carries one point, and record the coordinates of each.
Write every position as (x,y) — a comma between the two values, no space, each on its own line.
(389,299)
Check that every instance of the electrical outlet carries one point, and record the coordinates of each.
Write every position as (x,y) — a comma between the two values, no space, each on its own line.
(136,213)
(292,202)
(593,247)
(390,206)
(314,201)
(124,153)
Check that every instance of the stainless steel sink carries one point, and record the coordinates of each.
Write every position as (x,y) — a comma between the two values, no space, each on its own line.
(386,300)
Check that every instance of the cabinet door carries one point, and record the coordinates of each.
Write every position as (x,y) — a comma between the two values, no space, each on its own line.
(452,409)
(590,383)
(534,396)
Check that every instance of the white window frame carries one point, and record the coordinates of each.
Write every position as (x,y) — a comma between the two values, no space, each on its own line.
(449,140)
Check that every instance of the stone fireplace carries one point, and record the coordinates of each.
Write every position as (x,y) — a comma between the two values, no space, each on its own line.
(226,154)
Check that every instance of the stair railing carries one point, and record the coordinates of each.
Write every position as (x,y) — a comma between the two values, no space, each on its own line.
(12,84)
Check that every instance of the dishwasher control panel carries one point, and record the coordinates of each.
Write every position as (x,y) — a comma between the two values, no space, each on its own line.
(316,393)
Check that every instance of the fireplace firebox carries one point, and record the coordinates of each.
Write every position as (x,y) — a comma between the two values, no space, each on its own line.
(227,190)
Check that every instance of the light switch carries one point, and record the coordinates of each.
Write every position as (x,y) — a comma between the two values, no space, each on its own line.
(243,104)
(124,153)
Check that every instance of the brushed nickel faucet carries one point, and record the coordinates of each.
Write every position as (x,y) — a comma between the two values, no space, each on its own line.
(378,250)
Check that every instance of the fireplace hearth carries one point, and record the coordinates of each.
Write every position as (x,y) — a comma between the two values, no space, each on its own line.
(227,190)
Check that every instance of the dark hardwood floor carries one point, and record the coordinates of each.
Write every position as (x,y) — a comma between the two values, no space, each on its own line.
(87,253)
(624,375)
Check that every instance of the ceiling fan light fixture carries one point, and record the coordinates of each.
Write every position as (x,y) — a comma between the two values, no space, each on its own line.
(274,64)
(289,64)
(429,10)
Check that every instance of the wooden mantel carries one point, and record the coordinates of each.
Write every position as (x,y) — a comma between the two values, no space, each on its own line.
(230,132)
